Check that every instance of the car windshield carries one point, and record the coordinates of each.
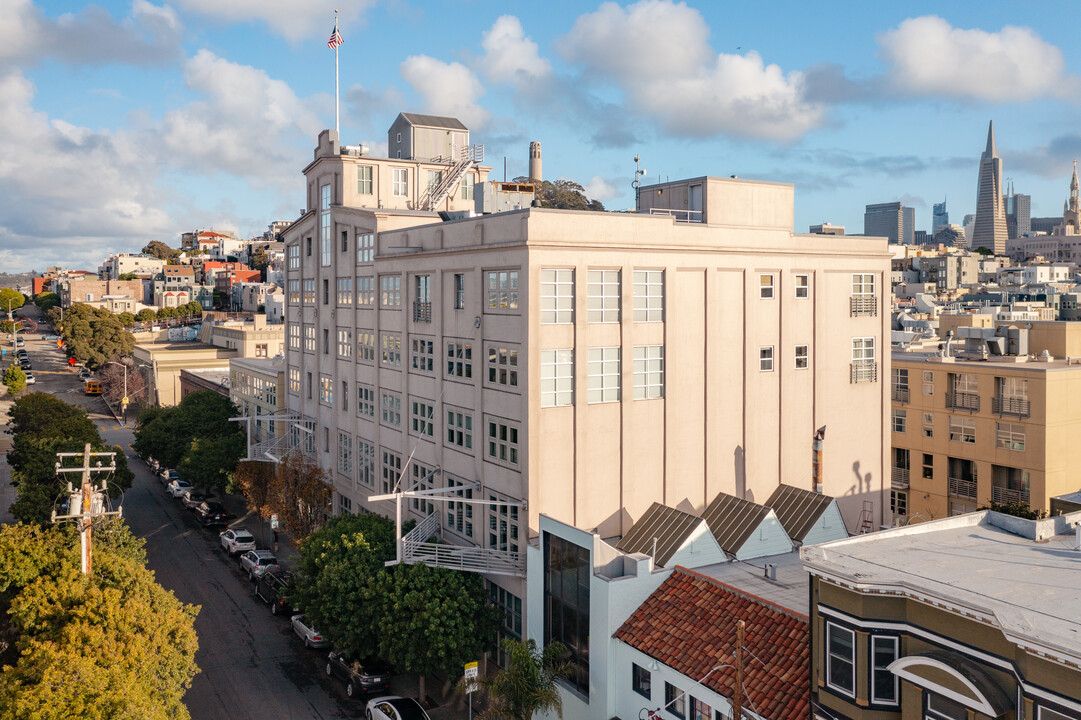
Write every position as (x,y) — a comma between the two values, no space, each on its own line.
(242,537)
(408,709)
(267,561)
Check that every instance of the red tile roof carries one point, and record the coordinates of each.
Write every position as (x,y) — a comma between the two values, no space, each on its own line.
(689,624)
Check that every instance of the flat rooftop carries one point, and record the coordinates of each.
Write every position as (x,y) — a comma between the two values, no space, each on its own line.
(1012,361)
(789,590)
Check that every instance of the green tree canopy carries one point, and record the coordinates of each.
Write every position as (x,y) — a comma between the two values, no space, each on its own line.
(166,312)
(158,249)
(260,260)
(11,299)
(14,378)
(127,276)
(126,319)
(564,194)
(195,309)
(47,300)
(94,336)
(146,315)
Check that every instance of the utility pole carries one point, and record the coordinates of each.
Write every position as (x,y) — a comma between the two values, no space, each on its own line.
(737,696)
(88,502)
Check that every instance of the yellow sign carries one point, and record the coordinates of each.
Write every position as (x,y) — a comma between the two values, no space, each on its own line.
(124,401)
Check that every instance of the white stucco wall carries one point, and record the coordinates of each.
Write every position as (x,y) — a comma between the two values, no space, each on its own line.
(830,526)
(769,538)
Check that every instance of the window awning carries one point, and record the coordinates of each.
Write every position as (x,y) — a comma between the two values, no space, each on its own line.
(954,677)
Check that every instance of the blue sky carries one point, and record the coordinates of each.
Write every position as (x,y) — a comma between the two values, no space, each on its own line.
(125,122)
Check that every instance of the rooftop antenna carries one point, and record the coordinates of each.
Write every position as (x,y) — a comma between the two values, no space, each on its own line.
(636,183)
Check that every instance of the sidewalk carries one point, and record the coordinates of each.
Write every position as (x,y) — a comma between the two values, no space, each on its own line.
(7,490)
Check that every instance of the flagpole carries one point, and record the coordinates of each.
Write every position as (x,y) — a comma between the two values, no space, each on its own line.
(337,115)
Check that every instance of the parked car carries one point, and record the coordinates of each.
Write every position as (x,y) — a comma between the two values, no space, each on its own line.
(192,498)
(154,465)
(51,337)
(30,379)
(168,475)
(273,589)
(236,540)
(178,487)
(360,676)
(19,342)
(257,562)
(394,707)
(84,373)
(306,631)
(21,354)
(210,513)
(25,364)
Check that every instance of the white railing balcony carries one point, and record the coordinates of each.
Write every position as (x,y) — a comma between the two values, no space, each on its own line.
(962,488)
(899,478)
(864,371)
(417,547)
(863,305)
(1005,495)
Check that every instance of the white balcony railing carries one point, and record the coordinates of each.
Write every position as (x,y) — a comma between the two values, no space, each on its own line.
(863,305)
(899,478)
(864,371)
(418,547)
(1005,495)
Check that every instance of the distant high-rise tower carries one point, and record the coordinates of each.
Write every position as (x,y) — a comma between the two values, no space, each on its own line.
(890,220)
(989,230)
(535,161)
(1018,214)
(939,216)
(1071,211)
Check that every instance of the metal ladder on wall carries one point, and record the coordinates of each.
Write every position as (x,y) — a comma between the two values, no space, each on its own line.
(867,517)
(438,193)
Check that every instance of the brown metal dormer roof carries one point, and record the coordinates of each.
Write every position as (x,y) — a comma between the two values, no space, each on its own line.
(797,509)
(668,526)
(732,520)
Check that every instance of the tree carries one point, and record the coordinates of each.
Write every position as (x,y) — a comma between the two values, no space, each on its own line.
(195,309)
(210,461)
(984,251)
(221,299)
(94,336)
(299,495)
(113,381)
(527,685)
(46,300)
(126,319)
(260,260)
(565,194)
(146,315)
(158,249)
(115,644)
(14,378)
(166,312)
(1019,509)
(128,276)
(11,299)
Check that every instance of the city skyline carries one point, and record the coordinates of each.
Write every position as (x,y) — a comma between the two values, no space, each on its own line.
(136,122)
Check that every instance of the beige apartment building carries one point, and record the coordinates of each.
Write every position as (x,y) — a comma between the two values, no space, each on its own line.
(257,388)
(577,364)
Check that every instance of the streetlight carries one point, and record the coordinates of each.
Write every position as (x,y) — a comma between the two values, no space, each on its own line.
(124,402)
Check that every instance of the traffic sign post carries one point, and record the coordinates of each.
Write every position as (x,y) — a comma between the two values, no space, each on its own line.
(471,686)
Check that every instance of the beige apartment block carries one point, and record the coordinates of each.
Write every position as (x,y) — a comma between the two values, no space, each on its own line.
(257,388)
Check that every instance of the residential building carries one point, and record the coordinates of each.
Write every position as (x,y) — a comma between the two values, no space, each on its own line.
(892,221)
(166,360)
(257,388)
(225,279)
(251,296)
(827,229)
(949,271)
(87,289)
(214,379)
(119,264)
(989,230)
(255,339)
(964,618)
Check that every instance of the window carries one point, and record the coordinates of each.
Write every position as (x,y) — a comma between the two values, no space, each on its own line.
(365,247)
(326,389)
(324,226)
(604,374)
(884,650)
(309,386)
(391,404)
(326,341)
(392,469)
(309,338)
(928,425)
(366,463)
(345,454)
(294,257)
(365,291)
(459,359)
(434,178)
(803,286)
(469,181)
(366,345)
(459,291)
(399,182)
(557,378)
(502,289)
(943,708)
(502,442)
(899,502)
(392,349)
(765,358)
(459,429)
(1011,396)
(899,386)
(460,520)
(365,401)
(765,287)
(1046,713)
(326,291)
(345,240)
(557,296)
(567,573)
(700,711)
(422,354)
(345,505)
(294,336)
(648,372)
(309,292)
(863,300)
(345,396)
(928,466)
(864,368)
(294,380)
(364,180)
(307,247)
(503,366)
(675,700)
(390,287)
(841,659)
(962,429)
(899,420)
(345,343)
(345,291)
(603,296)
(641,681)
(649,295)
(1009,436)
(422,298)
(928,382)
(294,292)
(420,418)
(801,357)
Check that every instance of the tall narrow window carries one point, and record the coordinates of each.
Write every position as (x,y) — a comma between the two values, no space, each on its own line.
(604,374)
(459,291)
(841,659)
(884,684)
(324,226)
(557,378)
(557,296)
(648,295)
(803,286)
(364,180)
(422,298)
(365,247)
(765,287)
(603,302)
(400,182)
(469,181)
(648,372)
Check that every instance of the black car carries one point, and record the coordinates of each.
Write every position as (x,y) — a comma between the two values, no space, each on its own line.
(360,676)
(273,589)
(24,363)
(211,512)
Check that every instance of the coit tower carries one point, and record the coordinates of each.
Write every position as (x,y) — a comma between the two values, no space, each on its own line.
(535,161)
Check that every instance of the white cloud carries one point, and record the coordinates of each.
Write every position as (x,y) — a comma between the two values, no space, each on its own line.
(510,56)
(657,53)
(600,189)
(927,56)
(446,89)
(291,19)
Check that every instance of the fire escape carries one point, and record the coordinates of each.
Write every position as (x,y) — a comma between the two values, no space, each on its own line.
(438,192)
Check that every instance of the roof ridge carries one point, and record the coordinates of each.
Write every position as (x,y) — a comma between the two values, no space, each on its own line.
(743,593)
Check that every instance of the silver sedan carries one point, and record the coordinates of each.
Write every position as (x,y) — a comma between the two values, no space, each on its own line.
(312,638)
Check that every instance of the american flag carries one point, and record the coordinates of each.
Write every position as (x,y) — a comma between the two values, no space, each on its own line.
(335,38)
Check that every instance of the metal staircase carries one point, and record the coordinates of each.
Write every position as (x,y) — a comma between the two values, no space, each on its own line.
(417,547)
(438,193)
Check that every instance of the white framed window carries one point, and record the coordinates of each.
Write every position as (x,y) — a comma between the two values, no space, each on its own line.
(399,182)
(962,429)
(366,345)
(469,182)
(863,300)
(421,480)
(391,409)
(459,359)
(294,336)
(928,425)
(326,389)
(391,345)
(365,247)
(557,378)
(459,291)
(503,528)
(365,290)
(503,366)
(899,502)
(765,358)
(885,649)
(460,514)
(324,226)
(1010,436)
(293,296)
(557,295)
(803,286)
(294,257)
(422,354)
(648,372)
(365,401)
(802,359)
(502,441)
(765,286)
(345,343)
(864,367)
(459,428)
(309,338)
(364,179)
(605,377)
(841,659)
(649,295)
(603,296)
(390,288)
(928,382)
(421,414)
(365,463)
(863,284)
(434,178)
(309,291)
(502,289)
(898,420)
(345,291)
(345,454)
(294,380)
(391,470)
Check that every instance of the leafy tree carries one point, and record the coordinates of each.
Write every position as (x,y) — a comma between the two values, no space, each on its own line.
(14,378)
(128,276)
(565,194)
(210,461)
(220,300)
(253,478)
(126,319)
(160,250)
(299,494)
(260,260)
(166,312)
(169,434)
(112,645)
(195,309)
(1019,509)
(47,300)
(12,296)
(146,315)
(527,685)
(94,336)
(183,311)
(984,251)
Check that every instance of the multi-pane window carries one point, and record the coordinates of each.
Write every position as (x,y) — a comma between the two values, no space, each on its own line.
(391,409)
(567,573)
(293,296)
(364,179)
(502,289)
(345,454)
(503,529)
(399,182)
(459,291)
(928,466)
(700,710)
(345,505)
(801,357)
(502,441)
(422,354)
(365,463)
(841,659)
(648,372)
(648,295)
(345,343)
(1010,436)
(309,338)
(459,359)
(294,380)
(765,358)
(460,514)
(503,366)
(422,298)
(962,429)
(469,182)
(899,502)
(365,247)
(928,425)
(864,368)
(603,296)
(365,290)
(459,428)
(421,480)
(365,401)
(863,284)
(294,257)
(884,651)
(294,336)
(345,291)
(675,700)
(324,226)
(391,470)
(557,295)
(366,345)
(604,374)
(765,286)
(391,345)
(641,681)
(928,382)
(326,389)
(309,291)
(1011,396)
(390,289)
(803,286)
(420,417)
(511,627)
(899,420)
(434,178)
(557,378)
(863,300)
